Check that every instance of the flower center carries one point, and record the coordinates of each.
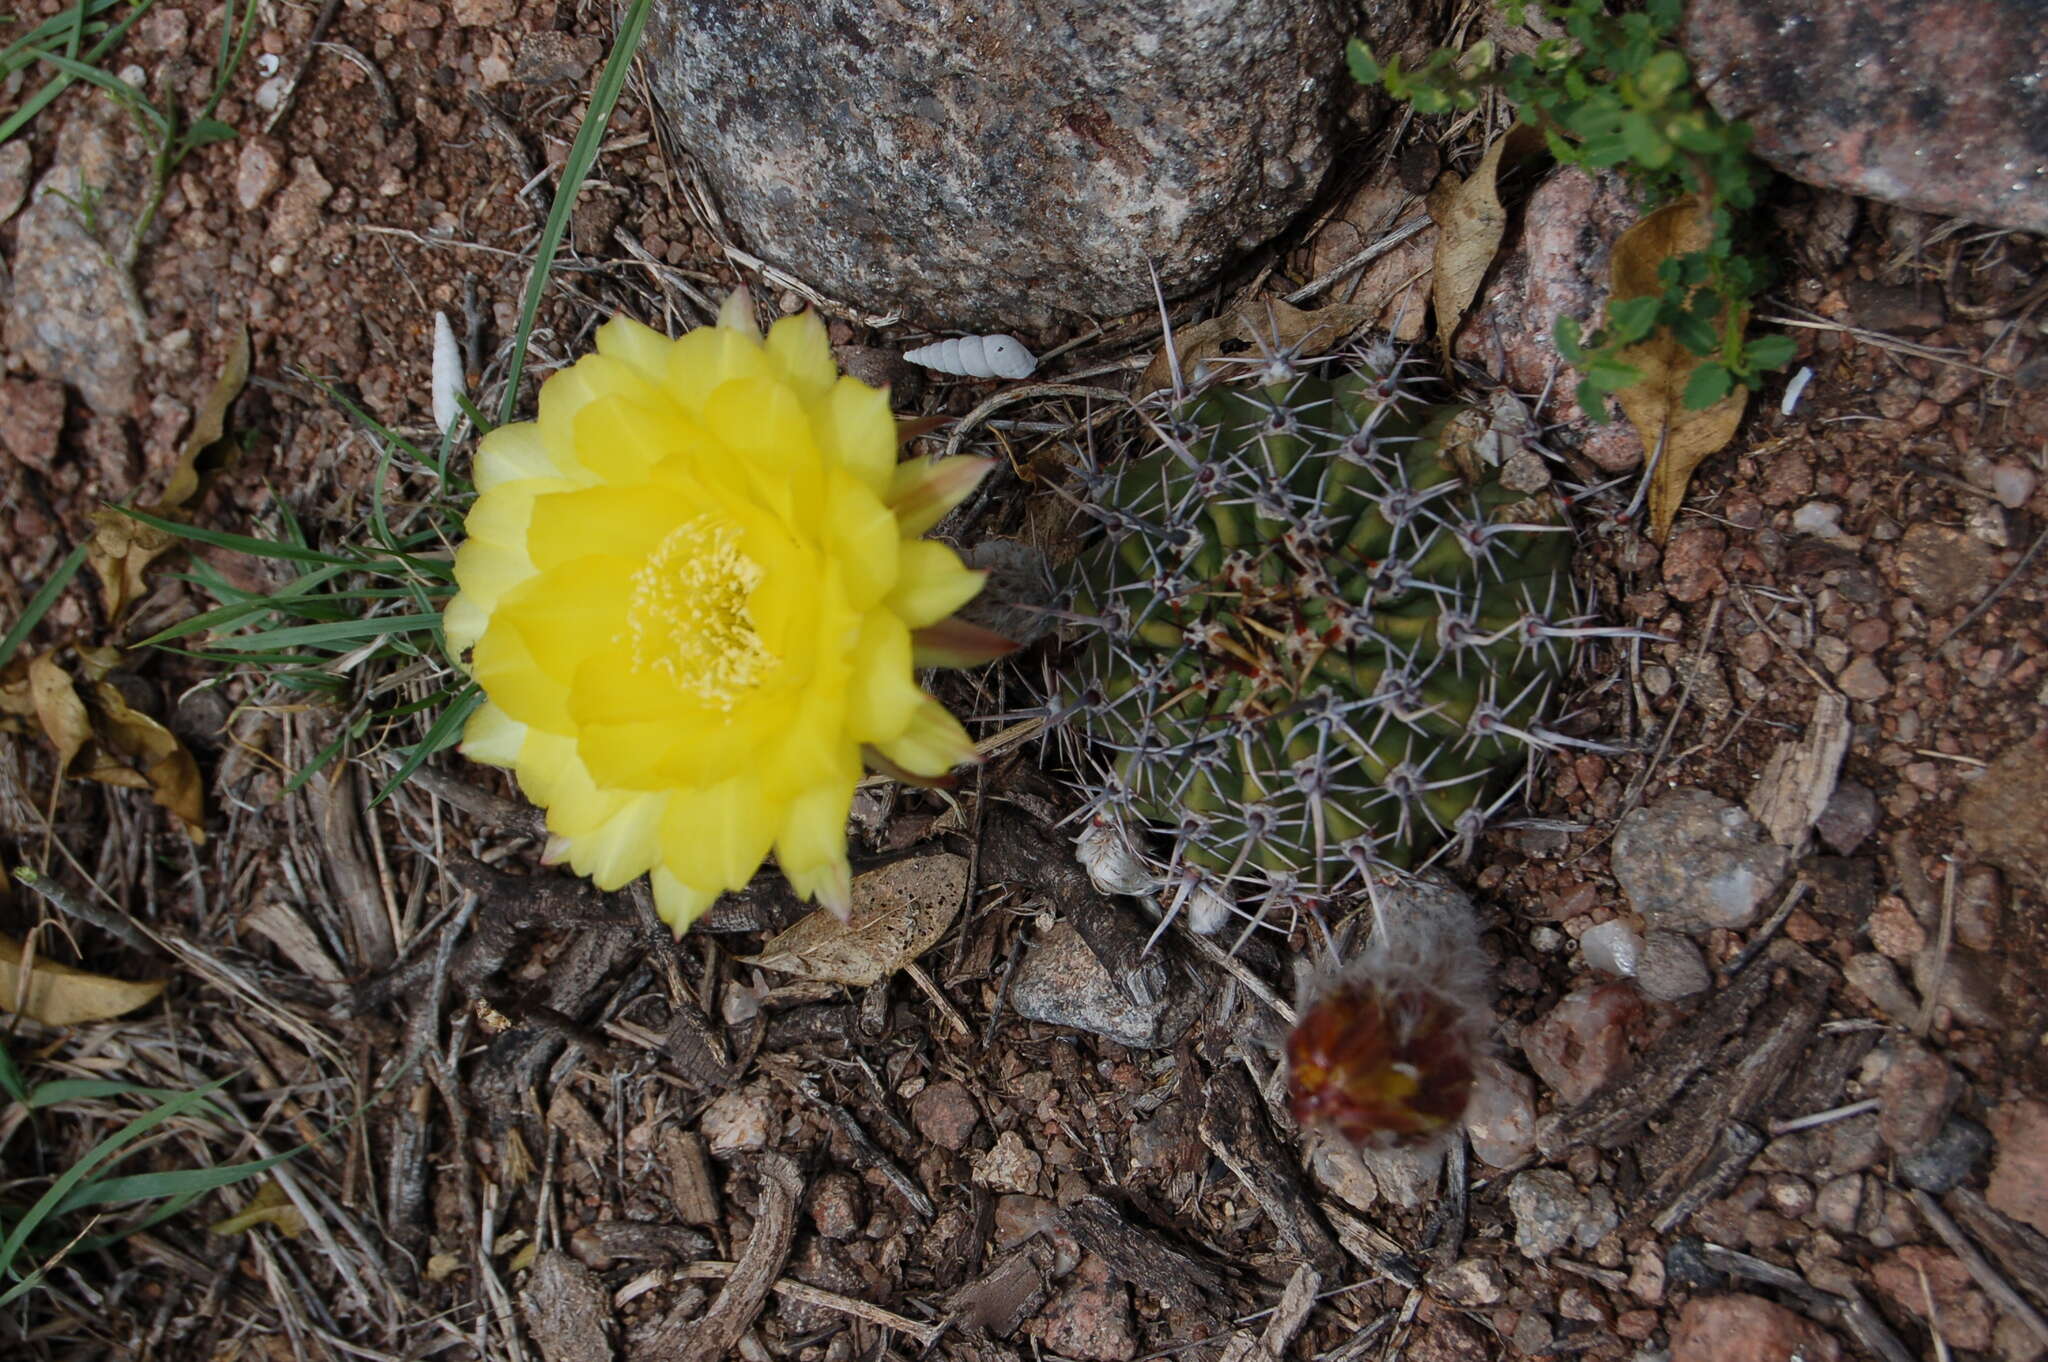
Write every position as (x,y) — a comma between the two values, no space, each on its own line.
(688,618)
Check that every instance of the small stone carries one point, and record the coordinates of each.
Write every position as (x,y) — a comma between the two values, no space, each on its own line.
(1895,931)
(945,1114)
(1692,563)
(31,419)
(1949,1159)
(14,168)
(2014,1340)
(1686,1265)
(1547,1206)
(1789,1196)
(1821,519)
(740,1120)
(478,13)
(550,56)
(2011,483)
(1914,1098)
(2005,814)
(1581,1043)
(838,1206)
(1334,1163)
(1500,1116)
(1018,1216)
(1910,1275)
(1854,1144)
(1091,1316)
(1849,818)
(1532,1335)
(1693,861)
(1406,1175)
(1612,947)
(1989,524)
(2019,1174)
(1010,1166)
(1967,982)
(1646,1276)
(295,217)
(1471,1282)
(259,166)
(1943,568)
(1447,1338)
(1062,982)
(1577,1303)
(1980,905)
(1741,1328)
(1672,967)
(1873,976)
(1838,1202)
(1863,680)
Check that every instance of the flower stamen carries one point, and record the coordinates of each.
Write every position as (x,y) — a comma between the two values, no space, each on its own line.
(688,617)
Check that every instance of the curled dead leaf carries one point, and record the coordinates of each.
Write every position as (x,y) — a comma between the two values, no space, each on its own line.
(899,913)
(58,995)
(1260,327)
(121,550)
(270,1206)
(209,424)
(1471,221)
(1655,402)
(167,769)
(58,709)
(100,737)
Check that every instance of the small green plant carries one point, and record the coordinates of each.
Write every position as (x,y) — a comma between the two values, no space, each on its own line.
(1616,92)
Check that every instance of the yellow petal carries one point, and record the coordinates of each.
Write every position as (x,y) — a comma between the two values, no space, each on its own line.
(677,903)
(492,736)
(811,846)
(511,453)
(884,693)
(462,623)
(717,837)
(708,358)
(623,845)
(568,391)
(921,491)
(933,744)
(803,353)
(856,431)
(505,668)
(570,612)
(549,768)
(767,431)
(642,347)
(861,534)
(627,523)
(932,584)
(620,438)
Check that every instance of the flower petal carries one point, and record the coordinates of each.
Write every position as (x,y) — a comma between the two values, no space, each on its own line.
(568,391)
(509,673)
(570,611)
(622,843)
(933,743)
(884,692)
(625,522)
(492,736)
(811,846)
(621,438)
(677,903)
(856,431)
(716,837)
(921,491)
(641,347)
(707,359)
(933,583)
(803,352)
(511,453)
(862,536)
(766,430)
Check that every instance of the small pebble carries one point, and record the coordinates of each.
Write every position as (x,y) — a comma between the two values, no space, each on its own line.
(1471,1282)
(1581,1043)
(1500,1117)
(1547,1206)
(1839,1202)
(1873,976)
(838,1206)
(1949,1159)
(737,1121)
(1914,1098)
(2012,484)
(1895,931)
(1686,1264)
(1612,948)
(1849,818)
(1821,519)
(1672,967)
(1010,1166)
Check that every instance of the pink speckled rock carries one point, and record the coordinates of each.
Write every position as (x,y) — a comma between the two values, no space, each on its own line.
(1939,105)
(1583,1042)
(1748,1329)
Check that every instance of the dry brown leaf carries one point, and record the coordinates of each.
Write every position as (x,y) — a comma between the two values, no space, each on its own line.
(58,995)
(1397,281)
(169,770)
(270,1206)
(58,709)
(1258,327)
(121,550)
(899,912)
(1471,222)
(1655,403)
(208,425)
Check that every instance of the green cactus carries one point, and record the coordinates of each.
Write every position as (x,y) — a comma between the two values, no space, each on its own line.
(1320,634)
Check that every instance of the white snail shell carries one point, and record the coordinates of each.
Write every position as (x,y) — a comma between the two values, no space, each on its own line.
(977,357)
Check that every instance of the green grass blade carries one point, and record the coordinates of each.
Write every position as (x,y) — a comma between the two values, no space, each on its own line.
(83,1089)
(57,84)
(40,603)
(443,733)
(180,1182)
(16,54)
(332,632)
(11,1081)
(77,1174)
(112,84)
(582,156)
(239,543)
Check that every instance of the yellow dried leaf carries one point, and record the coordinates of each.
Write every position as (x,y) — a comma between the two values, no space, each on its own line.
(209,424)
(1655,403)
(58,709)
(121,550)
(899,913)
(171,773)
(57,995)
(270,1206)
(1470,223)
(1260,326)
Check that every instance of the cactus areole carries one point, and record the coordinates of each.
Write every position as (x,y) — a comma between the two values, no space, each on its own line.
(1320,635)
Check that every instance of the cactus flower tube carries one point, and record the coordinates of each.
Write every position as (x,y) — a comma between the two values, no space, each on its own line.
(694,592)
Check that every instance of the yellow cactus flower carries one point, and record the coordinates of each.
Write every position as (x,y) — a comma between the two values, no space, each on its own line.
(693,594)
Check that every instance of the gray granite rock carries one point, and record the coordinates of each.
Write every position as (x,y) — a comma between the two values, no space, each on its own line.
(1004,164)
(1693,861)
(1672,968)
(1060,981)
(68,319)
(1547,1206)
(1938,107)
